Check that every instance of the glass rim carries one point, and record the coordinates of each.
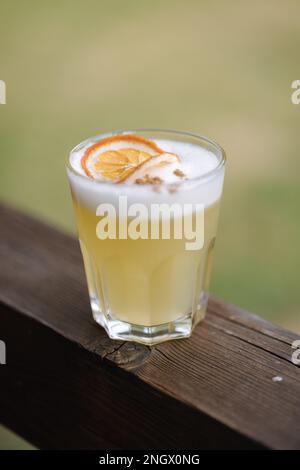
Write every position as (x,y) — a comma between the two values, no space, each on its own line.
(219,152)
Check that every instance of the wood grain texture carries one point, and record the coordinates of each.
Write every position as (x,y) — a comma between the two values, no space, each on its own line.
(67,385)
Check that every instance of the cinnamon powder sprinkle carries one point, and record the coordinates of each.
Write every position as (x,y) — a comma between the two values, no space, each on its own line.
(179,173)
(149,180)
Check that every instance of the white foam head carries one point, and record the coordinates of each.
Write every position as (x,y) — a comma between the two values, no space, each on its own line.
(203,171)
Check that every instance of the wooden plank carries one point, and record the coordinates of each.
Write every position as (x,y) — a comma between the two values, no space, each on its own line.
(66,385)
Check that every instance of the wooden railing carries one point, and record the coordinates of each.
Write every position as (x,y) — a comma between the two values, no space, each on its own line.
(67,385)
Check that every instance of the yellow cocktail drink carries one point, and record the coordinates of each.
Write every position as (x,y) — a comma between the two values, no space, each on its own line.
(147,267)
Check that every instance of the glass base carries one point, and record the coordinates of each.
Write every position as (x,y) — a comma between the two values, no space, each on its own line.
(149,335)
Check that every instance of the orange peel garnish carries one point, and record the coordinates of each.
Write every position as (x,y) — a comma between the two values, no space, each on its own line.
(115,158)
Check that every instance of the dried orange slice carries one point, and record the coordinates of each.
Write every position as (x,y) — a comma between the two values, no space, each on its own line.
(115,158)
(154,170)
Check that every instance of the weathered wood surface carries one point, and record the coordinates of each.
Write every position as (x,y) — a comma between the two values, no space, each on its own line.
(66,385)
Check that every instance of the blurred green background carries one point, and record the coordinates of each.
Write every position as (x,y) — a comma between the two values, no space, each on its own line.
(221,69)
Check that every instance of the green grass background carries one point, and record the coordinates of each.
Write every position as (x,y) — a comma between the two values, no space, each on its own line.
(221,69)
